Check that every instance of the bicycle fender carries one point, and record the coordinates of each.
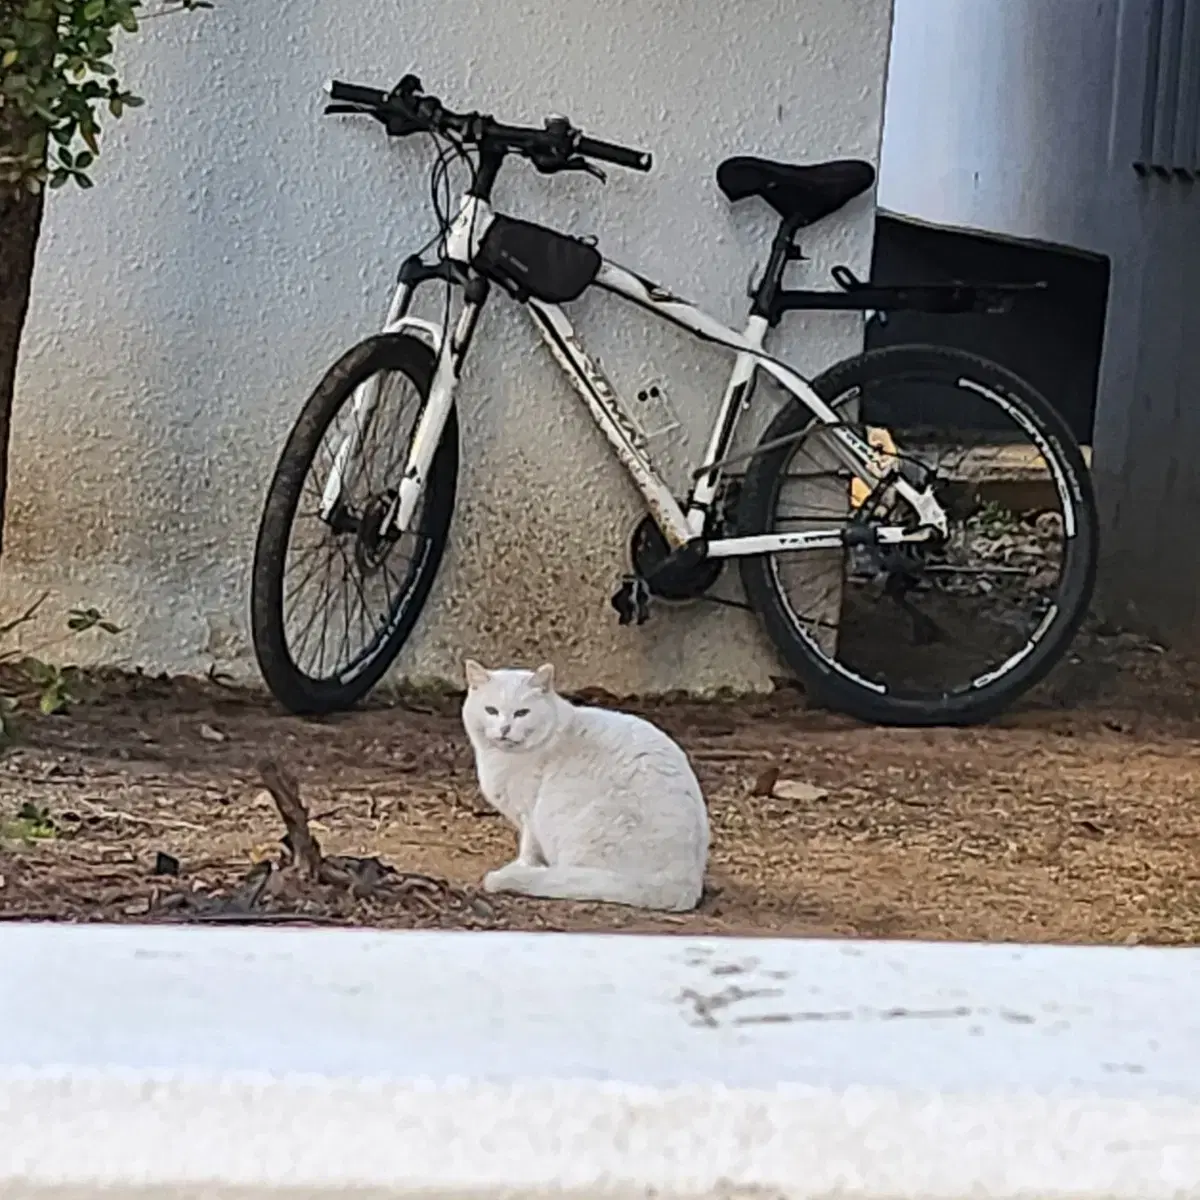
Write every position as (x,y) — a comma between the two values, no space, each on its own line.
(427,331)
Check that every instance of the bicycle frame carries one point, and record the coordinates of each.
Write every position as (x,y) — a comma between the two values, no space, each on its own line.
(679,525)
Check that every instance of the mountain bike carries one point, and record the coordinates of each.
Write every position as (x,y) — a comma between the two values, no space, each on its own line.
(879,487)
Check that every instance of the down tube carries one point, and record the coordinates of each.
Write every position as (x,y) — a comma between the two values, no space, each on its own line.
(625,438)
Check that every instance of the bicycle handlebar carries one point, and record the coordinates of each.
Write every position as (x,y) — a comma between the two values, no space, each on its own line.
(621,156)
(406,110)
(351,93)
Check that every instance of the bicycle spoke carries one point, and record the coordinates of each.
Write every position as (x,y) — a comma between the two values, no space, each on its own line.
(359,577)
(920,617)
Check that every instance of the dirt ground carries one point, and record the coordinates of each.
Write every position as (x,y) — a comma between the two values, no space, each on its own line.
(1075,818)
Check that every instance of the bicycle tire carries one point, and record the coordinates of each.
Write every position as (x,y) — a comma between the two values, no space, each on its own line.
(836,688)
(293,688)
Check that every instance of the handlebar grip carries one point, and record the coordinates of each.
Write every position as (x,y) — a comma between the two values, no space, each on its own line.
(621,156)
(351,93)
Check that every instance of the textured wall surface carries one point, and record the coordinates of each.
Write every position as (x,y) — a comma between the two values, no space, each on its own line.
(1024,117)
(307,1063)
(237,242)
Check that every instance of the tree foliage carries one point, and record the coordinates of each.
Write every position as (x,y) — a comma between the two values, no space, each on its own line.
(57,79)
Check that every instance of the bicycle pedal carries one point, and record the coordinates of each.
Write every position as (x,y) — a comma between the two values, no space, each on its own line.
(632,601)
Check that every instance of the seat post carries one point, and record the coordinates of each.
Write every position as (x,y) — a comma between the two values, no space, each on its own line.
(782,251)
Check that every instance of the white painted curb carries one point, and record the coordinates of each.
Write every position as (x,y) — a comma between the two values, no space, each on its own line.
(249,1062)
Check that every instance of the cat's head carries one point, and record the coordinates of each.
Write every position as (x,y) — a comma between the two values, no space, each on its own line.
(510,709)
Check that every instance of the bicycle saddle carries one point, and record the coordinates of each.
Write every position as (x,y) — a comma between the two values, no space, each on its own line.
(804,194)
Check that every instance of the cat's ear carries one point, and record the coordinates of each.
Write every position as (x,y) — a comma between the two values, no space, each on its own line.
(476,674)
(543,677)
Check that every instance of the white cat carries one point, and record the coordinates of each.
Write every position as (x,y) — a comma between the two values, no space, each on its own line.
(606,805)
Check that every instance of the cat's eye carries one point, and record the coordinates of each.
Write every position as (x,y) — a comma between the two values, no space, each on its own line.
(491,712)
(521,712)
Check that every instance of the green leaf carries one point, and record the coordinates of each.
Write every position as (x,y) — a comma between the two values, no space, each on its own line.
(56,70)
(79,619)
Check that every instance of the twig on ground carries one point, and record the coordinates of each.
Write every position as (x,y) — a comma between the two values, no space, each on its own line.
(285,791)
(115,814)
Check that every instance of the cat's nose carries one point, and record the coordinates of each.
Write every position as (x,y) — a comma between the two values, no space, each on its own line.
(504,729)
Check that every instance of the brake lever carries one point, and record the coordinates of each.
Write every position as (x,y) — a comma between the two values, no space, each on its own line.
(582,164)
(359,110)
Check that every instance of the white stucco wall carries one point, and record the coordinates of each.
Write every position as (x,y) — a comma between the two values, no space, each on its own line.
(236,242)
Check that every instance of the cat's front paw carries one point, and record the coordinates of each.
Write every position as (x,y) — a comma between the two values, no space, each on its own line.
(497,880)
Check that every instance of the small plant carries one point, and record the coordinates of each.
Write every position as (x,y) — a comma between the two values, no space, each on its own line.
(31,824)
(32,678)
(56,74)
(54,690)
(996,520)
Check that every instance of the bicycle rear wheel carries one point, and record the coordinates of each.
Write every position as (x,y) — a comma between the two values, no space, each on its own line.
(951,632)
(332,599)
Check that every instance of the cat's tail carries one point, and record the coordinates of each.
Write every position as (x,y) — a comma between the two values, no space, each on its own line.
(595,883)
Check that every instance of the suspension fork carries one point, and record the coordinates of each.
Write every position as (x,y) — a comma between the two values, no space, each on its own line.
(362,411)
(432,422)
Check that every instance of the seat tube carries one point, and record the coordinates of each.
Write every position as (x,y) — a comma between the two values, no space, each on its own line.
(736,395)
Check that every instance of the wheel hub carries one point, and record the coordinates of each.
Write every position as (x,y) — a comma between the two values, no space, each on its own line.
(371,548)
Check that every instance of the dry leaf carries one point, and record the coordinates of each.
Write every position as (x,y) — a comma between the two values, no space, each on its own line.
(797,789)
(209,734)
(765,782)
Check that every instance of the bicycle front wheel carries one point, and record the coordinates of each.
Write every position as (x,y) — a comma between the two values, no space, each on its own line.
(949,632)
(333,596)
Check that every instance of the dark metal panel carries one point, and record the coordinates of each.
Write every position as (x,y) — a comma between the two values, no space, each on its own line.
(1166,90)
(1154,24)
(1187,123)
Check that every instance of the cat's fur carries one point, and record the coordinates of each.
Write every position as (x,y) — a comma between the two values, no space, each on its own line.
(606,805)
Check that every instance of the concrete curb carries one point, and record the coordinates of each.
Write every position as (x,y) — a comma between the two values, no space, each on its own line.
(248,1062)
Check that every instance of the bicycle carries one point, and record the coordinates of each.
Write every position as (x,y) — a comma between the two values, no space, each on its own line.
(899,520)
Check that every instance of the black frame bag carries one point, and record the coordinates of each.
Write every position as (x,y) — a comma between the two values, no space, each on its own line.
(531,260)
